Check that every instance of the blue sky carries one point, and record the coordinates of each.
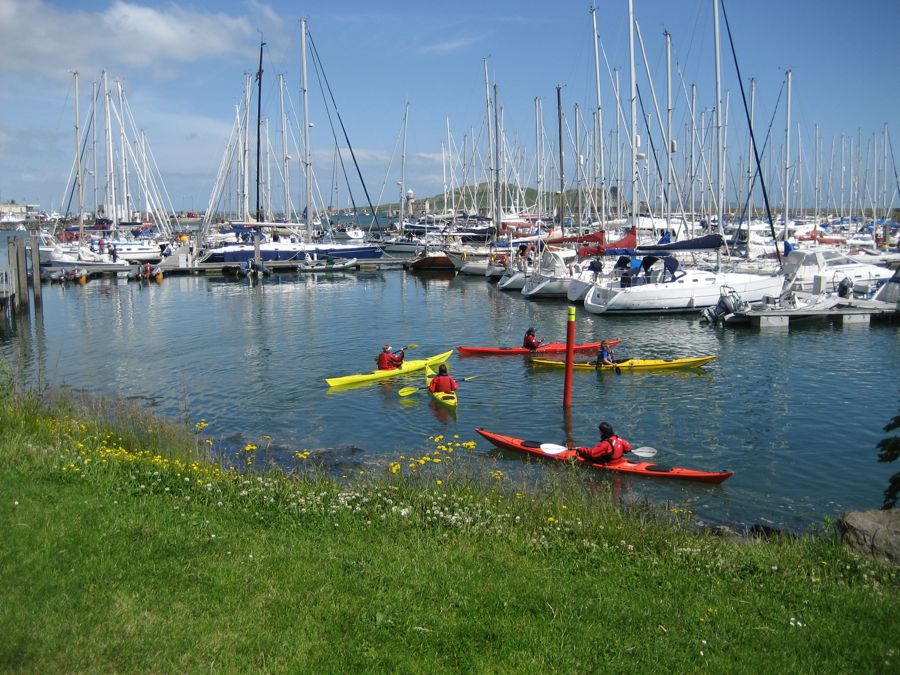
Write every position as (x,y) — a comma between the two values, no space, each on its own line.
(183,63)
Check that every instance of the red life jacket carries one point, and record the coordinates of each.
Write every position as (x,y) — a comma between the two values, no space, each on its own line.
(388,361)
(443,384)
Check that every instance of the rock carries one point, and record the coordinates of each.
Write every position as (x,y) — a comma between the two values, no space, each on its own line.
(724,532)
(874,533)
(767,533)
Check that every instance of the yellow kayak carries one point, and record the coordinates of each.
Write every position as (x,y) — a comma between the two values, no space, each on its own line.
(634,364)
(448,398)
(406,367)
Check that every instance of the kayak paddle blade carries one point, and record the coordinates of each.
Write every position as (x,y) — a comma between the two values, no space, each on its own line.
(645,452)
(406,391)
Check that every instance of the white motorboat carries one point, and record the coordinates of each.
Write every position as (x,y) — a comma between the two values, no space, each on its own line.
(801,267)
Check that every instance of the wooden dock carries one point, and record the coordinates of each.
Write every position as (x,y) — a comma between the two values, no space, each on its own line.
(851,312)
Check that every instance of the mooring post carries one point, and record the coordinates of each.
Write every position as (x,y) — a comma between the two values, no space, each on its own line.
(36,269)
(570,358)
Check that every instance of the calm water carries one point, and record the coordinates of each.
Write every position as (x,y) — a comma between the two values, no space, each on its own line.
(795,414)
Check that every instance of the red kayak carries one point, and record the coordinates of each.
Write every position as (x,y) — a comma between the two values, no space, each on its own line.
(554,451)
(547,348)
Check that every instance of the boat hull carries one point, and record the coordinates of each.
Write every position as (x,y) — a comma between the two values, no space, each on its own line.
(407,367)
(561,453)
(688,291)
(634,364)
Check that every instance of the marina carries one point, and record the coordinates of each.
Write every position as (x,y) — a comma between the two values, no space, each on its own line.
(250,357)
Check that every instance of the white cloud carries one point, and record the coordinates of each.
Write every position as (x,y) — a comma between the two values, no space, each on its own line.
(41,39)
(451,46)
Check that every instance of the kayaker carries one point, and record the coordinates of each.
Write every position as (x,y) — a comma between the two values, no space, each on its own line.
(530,341)
(609,448)
(388,360)
(442,382)
(604,356)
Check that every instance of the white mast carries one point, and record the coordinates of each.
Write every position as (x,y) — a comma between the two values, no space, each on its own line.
(94,143)
(787,156)
(634,176)
(285,157)
(693,172)
(490,130)
(599,125)
(800,204)
(720,138)
(816,214)
(306,159)
(403,203)
(750,171)
(670,142)
(126,196)
(451,170)
(78,178)
(245,155)
(110,171)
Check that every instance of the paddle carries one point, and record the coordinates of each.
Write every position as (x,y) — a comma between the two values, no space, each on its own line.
(407,391)
(554,449)
(645,451)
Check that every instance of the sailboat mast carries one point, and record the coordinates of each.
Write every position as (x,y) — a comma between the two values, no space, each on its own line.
(816,213)
(562,173)
(669,141)
(490,130)
(750,171)
(787,155)
(110,170)
(402,205)
(94,142)
(307,166)
(285,158)
(599,124)
(634,175)
(259,74)
(720,139)
(78,179)
(498,206)
(126,197)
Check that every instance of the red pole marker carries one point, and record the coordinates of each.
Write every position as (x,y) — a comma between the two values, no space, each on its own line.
(570,358)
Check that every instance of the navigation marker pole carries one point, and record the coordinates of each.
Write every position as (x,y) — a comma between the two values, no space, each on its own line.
(570,358)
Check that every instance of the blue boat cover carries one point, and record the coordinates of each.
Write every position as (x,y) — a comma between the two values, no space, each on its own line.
(708,242)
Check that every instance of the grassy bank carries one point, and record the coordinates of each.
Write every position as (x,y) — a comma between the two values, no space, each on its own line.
(122,551)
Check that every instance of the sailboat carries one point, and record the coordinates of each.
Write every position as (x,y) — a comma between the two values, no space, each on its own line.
(236,243)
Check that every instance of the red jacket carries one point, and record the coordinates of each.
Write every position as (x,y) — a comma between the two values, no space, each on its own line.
(443,384)
(531,342)
(388,361)
(606,450)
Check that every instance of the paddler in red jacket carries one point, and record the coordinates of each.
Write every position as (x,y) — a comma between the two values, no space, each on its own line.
(442,383)
(610,447)
(389,361)
(530,340)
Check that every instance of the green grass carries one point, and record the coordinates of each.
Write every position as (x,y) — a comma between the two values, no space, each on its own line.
(122,552)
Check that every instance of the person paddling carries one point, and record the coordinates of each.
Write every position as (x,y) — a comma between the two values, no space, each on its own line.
(442,383)
(610,447)
(388,360)
(530,341)
(604,356)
